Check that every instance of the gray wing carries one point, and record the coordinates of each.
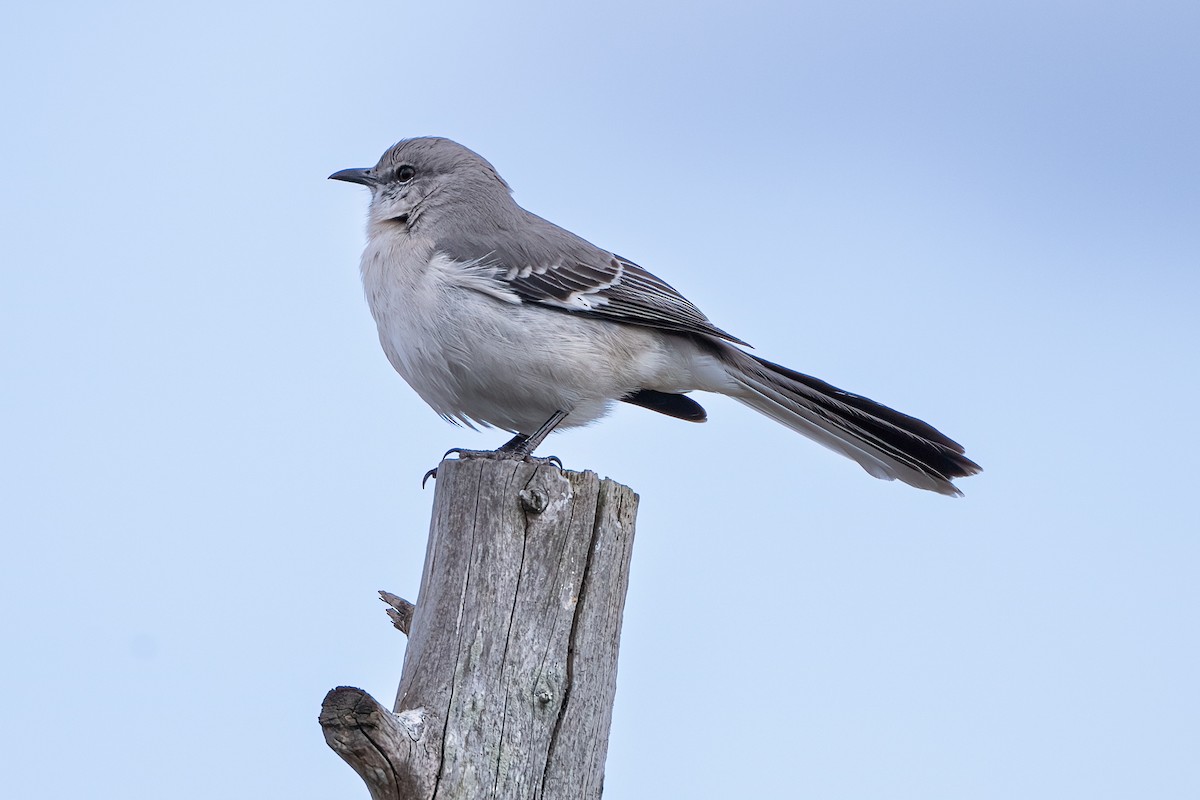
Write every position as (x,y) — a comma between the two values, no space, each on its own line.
(529,259)
(616,289)
(619,290)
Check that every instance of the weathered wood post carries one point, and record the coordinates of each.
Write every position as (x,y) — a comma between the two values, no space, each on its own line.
(510,673)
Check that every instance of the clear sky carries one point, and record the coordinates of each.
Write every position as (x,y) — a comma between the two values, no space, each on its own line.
(984,214)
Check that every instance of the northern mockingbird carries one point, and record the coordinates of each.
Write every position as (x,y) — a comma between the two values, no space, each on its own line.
(497,317)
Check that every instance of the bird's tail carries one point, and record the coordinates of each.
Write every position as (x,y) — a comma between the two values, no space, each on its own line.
(886,443)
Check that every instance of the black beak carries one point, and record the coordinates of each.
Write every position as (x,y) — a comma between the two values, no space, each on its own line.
(356,175)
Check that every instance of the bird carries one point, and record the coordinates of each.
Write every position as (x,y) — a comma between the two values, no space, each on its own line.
(499,318)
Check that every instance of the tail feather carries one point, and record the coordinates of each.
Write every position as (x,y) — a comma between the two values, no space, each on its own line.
(884,442)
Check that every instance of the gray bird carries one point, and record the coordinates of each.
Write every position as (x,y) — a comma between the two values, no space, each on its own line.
(497,317)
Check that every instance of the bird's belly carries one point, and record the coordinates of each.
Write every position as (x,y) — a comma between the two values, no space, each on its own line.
(484,361)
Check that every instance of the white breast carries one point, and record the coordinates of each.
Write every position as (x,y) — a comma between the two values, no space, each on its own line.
(407,296)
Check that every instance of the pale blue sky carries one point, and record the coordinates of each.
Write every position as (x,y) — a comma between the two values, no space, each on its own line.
(984,214)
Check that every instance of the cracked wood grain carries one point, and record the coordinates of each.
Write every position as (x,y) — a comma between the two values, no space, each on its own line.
(375,742)
(513,642)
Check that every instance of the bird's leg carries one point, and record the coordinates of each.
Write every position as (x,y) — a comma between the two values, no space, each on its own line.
(512,444)
(522,446)
(518,448)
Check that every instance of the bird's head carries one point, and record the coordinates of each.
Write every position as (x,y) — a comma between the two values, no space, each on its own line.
(417,177)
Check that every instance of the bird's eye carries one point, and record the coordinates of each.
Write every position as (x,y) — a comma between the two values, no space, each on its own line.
(405,173)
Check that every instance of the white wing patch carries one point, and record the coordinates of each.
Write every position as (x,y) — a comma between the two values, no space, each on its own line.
(586,298)
(477,274)
(578,301)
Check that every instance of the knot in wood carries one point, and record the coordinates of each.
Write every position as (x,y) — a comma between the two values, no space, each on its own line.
(534,499)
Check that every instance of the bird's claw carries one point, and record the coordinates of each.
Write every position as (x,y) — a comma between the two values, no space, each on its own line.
(495,454)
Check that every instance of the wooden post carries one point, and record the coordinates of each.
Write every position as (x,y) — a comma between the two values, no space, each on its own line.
(510,673)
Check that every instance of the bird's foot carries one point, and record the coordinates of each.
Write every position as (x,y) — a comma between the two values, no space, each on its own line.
(512,454)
